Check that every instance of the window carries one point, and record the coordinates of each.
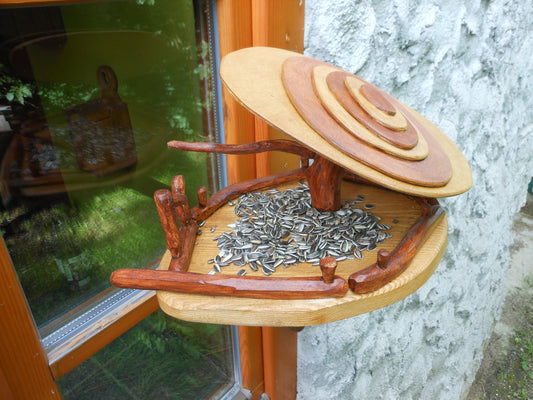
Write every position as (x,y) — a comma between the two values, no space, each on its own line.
(90,94)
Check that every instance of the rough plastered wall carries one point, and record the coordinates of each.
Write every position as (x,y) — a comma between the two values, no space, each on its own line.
(467,66)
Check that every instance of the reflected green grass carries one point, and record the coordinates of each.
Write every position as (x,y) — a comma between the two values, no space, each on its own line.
(160,358)
(112,227)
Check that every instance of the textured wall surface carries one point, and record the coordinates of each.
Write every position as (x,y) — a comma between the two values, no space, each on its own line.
(467,66)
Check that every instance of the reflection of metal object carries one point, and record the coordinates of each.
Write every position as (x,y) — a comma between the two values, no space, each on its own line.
(353,131)
(101,131)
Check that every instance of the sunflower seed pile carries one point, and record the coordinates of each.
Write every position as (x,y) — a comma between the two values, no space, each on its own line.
(283,228)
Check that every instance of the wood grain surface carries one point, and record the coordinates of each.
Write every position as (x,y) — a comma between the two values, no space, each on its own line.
(268,312)
(252,76)
(378,99)
(257,287)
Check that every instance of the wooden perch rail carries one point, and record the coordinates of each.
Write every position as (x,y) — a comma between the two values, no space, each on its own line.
(225,285)
(390,265)
(173,206)
(324,176)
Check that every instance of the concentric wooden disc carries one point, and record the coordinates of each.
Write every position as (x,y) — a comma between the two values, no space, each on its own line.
(374,102)
(434,170)
(360,130)
(383,141)
(396,129)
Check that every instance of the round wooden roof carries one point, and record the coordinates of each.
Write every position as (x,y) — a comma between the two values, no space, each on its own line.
(347,120)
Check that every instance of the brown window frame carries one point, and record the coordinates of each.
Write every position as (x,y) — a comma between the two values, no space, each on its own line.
(267,355)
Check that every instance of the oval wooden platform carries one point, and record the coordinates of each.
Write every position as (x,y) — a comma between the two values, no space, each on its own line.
(260,312)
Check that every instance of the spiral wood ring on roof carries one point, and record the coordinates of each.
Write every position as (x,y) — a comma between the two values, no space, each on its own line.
(404,143)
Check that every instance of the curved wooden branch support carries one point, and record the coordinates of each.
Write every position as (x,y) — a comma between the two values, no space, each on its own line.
(231,192)
(390,265)
(257,287)
(287,146)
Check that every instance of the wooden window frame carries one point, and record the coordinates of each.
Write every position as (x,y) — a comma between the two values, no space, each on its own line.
(267,355)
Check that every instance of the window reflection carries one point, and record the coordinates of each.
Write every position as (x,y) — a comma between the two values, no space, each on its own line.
(91,93)
(160,358)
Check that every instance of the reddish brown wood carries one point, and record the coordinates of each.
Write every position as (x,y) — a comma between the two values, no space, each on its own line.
(324,178)
(233,191)
(24,367)
(434,171)
(188,238)
(328,265)
(182,208)
(202,197)
(180,200)
(376,97)
(169,220)
(383,258)
(178,182)
(351,177)
(405,139)
(287,146)
(390,266)
(225,285)
(251,357)
(280,347)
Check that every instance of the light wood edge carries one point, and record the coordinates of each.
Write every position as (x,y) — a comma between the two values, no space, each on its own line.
(261,91)
(396,122)
(255,312)
(339,113)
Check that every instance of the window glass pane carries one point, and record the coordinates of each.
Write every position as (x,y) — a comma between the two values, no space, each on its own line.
(95,91)
(90,93)
(160,358)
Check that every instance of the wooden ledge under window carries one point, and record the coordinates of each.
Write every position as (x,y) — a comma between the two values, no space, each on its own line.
(398,210)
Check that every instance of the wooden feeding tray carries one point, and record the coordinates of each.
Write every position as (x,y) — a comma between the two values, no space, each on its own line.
(389,205)
(377,167)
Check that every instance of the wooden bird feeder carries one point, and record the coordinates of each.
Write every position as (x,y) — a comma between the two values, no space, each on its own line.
(362,143)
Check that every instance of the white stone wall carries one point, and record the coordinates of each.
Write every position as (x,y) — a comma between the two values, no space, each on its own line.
(467,66)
